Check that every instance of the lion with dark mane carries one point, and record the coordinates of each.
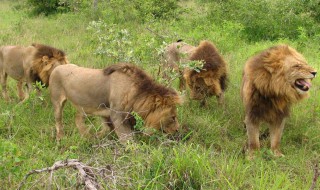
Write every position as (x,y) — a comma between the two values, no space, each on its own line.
(211,80)
(28,65)
(113,93)
(272,81)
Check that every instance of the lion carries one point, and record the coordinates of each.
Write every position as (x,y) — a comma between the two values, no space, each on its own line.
(28,65)
(113,93)
(212,78)
(272,81)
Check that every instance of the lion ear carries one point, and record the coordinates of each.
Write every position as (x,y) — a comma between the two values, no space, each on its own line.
(45,59)
(159,101)
(208,81)
(47,67)
(271,68)
(178,99)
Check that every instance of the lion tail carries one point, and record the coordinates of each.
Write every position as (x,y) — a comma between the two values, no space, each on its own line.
(123,67)
(1,56)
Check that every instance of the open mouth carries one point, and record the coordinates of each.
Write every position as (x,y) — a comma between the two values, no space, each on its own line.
(303,84)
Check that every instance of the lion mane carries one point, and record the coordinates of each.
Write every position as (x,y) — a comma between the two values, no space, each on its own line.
(211,80)
(44,61)
(122,89)
(272,81)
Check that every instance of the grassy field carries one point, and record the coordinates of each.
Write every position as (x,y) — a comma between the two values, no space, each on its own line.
(210,156)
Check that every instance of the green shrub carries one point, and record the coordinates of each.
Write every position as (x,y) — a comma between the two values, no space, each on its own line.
(267,20)
(47,7)
(156,9)
(111,41)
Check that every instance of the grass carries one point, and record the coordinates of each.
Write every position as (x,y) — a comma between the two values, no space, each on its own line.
(210,158)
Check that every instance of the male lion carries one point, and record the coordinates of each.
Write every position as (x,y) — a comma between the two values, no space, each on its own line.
(211,80)
(113,93)
(272,81)
(28,64)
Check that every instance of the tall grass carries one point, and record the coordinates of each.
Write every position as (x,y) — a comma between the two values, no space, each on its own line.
(209,157)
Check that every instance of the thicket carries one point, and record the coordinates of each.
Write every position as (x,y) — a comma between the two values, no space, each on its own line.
(48,7)
(268,20)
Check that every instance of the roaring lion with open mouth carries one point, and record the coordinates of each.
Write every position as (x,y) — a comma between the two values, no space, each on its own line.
(272,81)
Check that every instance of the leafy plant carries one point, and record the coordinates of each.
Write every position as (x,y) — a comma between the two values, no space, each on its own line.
(112,41)
(139,121)
(266,19)
(10,157)
(53,6)
(157,9)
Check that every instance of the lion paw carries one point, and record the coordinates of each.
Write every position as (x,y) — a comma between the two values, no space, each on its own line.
(277,153)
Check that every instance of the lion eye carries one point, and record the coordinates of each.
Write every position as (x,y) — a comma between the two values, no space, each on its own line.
(298,66)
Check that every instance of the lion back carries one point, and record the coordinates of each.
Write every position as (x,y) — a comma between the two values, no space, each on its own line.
(146,86)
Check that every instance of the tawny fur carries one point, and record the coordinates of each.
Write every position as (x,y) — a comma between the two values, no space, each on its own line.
(270,86)
(113,93)
(210,81)
(27,65)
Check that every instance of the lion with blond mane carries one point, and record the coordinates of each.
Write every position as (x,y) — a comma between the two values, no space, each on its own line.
(113,93)
(210,80)
(272,81)
(28,65)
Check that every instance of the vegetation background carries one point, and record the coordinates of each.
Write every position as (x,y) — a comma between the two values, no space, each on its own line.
(210,154)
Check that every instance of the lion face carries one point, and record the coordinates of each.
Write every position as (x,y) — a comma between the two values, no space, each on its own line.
(44,66)
(298,74)
(164,119)
(202,85)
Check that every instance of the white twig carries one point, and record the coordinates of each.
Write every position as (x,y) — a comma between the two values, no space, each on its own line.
(85,172)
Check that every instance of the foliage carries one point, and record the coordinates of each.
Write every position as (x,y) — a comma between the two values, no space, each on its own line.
(267,19)
(10,157)
(157,9)
(112,41)
(53,6)
(139,121)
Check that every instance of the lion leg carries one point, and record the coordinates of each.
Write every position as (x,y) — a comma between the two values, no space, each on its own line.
(20,90)
(122,129)
(182,84)
(220,99)
(58,107)
(253,137)
(4,77)
(204,102)
(108,126)
(84,131)
(275,138)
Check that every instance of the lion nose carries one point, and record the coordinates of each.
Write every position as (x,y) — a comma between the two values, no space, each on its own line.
(314,73)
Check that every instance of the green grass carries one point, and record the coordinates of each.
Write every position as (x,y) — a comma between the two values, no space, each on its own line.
(210,158)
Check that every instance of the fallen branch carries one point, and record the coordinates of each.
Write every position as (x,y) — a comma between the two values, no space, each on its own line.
(315,177)
(85,172)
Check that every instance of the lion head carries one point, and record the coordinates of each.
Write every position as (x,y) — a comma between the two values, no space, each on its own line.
(45,60)
(211,80)
(284,73)
(163,114)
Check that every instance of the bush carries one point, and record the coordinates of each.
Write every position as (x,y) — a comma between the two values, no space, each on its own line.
(157,9)
(267,20)
(47,7)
